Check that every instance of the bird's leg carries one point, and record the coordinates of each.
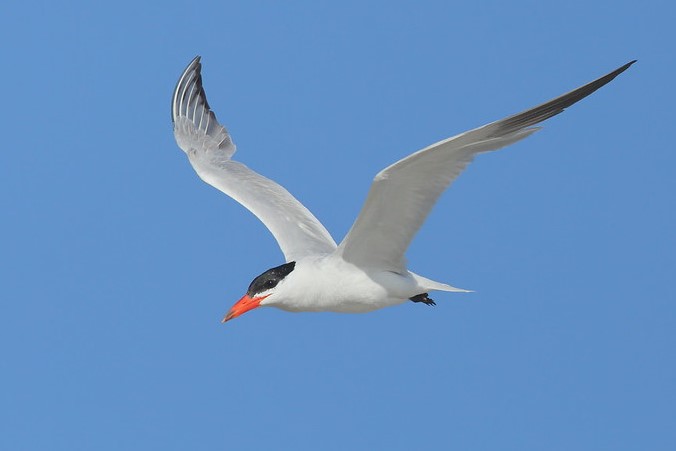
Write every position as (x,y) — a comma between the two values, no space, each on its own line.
(423,298)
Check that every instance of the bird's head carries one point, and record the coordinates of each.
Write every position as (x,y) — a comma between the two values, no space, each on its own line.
(261,288)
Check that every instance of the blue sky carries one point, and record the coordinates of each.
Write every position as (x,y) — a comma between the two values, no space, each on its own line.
(118,262)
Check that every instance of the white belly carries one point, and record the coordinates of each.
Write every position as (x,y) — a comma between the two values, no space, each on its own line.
(333,285)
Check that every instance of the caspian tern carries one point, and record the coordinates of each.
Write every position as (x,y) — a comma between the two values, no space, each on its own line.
(367,271)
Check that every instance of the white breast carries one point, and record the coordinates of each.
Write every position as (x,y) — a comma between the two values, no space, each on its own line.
(329,284)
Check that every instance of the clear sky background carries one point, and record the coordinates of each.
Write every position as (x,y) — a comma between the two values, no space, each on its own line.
(117,262)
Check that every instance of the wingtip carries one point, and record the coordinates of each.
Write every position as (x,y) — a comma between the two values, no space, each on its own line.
(616,72)
(195,66)
(621,69)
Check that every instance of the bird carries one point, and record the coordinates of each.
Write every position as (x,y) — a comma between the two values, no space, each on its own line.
(367,270)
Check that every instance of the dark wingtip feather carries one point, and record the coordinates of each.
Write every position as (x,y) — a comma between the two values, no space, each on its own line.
(553,107)
(194,66)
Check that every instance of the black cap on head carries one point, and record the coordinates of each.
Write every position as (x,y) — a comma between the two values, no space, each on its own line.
(270,278)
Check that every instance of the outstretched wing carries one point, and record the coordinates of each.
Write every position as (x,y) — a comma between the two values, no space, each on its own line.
(209,149)
(403,194)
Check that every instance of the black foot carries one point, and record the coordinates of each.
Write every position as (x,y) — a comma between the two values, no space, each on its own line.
(423,298)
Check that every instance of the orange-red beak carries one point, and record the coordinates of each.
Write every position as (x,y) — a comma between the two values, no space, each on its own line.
(243,305)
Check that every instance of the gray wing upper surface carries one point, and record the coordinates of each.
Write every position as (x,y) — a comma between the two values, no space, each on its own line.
(210,148)
(402,195)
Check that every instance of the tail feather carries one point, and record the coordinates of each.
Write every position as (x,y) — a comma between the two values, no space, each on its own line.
(430,285)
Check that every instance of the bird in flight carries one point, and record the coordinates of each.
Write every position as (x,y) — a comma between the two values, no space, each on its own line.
(367,270)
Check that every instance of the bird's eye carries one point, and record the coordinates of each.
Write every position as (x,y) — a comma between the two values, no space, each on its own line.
(269,283)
